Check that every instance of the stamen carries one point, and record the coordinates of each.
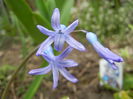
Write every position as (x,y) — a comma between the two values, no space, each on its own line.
(60,32)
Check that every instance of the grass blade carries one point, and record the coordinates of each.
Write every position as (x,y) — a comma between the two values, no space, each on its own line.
(60,3)
(50,4)
(41,21)
(33,87)
(65,15)
(25,16)
(35,84)
(43,9)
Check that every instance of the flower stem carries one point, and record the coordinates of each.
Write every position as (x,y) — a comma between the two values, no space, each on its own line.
(84,31)
(17,70)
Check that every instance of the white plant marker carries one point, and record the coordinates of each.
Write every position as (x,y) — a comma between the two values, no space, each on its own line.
(113,78)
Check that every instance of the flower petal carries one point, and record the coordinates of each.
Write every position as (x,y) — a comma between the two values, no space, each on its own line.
(112,55)
(59,41)
(55,76)
(40,71)
(106,53)
(67,75)
(47,58)
(55,19)
(44,45)
(75,44)
(68,63)
(71,27)
(101,50)
(65,53)
(45,30)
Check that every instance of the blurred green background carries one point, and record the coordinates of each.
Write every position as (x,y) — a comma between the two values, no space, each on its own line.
(111,20)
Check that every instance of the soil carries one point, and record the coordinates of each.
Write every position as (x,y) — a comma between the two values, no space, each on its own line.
(87,73)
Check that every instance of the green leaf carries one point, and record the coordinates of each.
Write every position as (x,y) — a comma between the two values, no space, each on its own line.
(60,3)
(25,16)
(128,81)
(122,95)
(20,31)
(41,21)
(43,9)
(65,97)
(65,15)
(51,5)
(130,26)
(35,85)
(124,53)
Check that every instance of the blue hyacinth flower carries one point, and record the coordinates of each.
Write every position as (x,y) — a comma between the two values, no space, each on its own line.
(103,52)
(60,35)
(56,64)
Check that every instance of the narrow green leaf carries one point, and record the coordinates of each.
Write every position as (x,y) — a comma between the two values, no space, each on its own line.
(35,85)
(65,15)
(50,4)
(60,3)
(41,21)
(128,81)
(130,26)
(22,38)
(43,9)
(25,16)
(122,95)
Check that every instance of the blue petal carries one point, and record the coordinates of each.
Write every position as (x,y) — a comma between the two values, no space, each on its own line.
(75,44)
(68,63)
(65,53)
(40,71)
(55,19)
(55,76)
(45,31)
(44,45)
(59,41)
(71,27)
(47,58)
(67,75)
(106,53)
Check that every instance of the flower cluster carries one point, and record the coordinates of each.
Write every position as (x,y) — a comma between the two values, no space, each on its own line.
(60,35)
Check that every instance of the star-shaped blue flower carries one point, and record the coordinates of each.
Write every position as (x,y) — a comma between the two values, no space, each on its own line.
(60,34)
(56,64)
(103,52)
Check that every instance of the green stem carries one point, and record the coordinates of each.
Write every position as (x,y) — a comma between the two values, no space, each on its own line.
(17,70)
